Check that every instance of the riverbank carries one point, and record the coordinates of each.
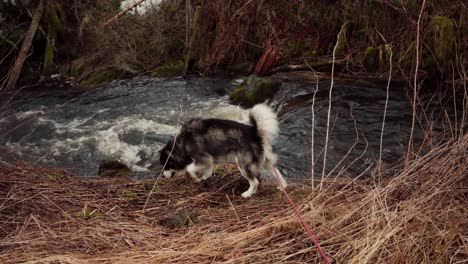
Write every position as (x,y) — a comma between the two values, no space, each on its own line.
(419,216)
(241,37)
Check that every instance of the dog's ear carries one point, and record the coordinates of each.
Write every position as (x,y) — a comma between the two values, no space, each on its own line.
(192,125)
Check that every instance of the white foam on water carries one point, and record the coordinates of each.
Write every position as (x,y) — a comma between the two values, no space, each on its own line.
(84,137)
(140,9)
(108,141)
(30,113)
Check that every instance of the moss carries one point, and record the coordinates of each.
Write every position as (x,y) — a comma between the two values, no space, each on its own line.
(220,170)
(88,214)
(264,89)
(98,77)
(171,69)
(444,38)
(55,19)
(49,58)
(371,59)
(342,39)
(384,56)
(239,95)
(55,176)
(129,195)
(254,90)
(125,63)
(156,168)
(77,67)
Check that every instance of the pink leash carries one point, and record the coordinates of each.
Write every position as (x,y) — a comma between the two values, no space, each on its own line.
(301,220)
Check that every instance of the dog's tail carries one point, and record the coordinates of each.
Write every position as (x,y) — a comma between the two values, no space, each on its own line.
(265,120)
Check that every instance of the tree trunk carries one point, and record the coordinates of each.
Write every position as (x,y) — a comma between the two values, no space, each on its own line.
(193,35)
(25,47)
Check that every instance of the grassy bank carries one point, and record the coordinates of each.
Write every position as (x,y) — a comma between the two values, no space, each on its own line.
(233,36)
(418,216)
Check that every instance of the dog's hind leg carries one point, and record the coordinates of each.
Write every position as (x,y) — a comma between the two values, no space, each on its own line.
(249,173)
(270,167)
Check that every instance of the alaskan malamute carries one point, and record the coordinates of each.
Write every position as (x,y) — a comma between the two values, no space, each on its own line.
(202,143)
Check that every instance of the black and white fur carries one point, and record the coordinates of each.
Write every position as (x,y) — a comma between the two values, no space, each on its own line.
(205,142)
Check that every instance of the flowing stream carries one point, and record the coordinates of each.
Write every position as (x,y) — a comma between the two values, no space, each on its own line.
(130,120)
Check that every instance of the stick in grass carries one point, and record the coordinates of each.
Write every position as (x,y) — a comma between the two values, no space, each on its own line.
(415,85)
(327,136)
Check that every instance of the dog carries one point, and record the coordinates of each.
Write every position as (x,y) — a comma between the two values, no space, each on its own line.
(202,143)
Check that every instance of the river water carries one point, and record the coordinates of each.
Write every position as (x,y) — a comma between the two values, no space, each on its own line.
(130,120)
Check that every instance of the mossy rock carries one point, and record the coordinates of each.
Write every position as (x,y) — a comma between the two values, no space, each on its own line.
(444,39)
(170,69)
(179,220)
(99,77)
(341,40)
(113,168)
(125,63)
(254,90)
(371,59)
(77,67)
(385,52)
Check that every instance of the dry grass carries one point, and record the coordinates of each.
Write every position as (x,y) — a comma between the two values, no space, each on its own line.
(419,216)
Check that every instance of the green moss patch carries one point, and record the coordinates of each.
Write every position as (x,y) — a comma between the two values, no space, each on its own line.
(171,69)
(100,76)
(254,90)
(444,39)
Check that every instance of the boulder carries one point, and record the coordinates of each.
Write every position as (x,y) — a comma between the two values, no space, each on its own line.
(254,90)
(112,168)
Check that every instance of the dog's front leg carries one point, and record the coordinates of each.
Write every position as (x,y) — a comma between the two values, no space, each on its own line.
(192,169)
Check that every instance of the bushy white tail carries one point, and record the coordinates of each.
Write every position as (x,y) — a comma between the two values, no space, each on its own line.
(264,118)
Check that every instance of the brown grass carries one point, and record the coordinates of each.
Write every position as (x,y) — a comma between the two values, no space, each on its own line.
(419,216)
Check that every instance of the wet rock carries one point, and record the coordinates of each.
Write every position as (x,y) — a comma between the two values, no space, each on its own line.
(126,64)
(112,168)
(181,219)
(132,137)
(254,90)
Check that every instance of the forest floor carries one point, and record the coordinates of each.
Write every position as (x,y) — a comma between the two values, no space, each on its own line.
(419,216)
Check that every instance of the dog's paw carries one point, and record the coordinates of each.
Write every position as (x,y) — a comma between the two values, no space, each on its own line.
(197,180)
(246,194)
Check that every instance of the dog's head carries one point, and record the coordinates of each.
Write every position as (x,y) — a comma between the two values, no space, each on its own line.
(173,158)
